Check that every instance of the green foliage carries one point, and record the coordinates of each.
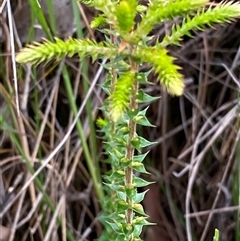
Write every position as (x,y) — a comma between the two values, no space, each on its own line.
(121,95)
(160,11)
(126,12)
(220,14)
(38,52)
(124,216)
(216,235)
(99,21)
(163,65)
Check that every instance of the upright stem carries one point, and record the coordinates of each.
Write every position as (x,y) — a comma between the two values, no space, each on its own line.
(130,148)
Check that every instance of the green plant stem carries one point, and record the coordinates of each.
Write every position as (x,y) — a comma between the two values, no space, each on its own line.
(128,180)
(130,148)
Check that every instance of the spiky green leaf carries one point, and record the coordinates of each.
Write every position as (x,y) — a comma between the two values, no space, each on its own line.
(145,143)
(139,182)
(140,158)
(139,197)
(143,97)
(115,187)
(115,226)
(142,78)
(125,12)
(131,191)
(159,11)
(121,195)
(163,65)
(122,206)
(98,21)
(141,221)
(141,119)
(137,231)
(39,52)
(117,174)
(138,166)
(120,97)
(222,13)
(138,208)
(139,142)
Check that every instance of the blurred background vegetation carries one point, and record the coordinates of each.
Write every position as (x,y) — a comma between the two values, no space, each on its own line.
(200,129)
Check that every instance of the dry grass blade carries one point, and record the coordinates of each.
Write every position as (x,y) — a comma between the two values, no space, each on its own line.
(196,160)
(4,233)
(14,69)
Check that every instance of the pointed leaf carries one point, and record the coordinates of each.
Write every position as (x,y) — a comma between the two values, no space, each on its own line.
(145,143)
(138,166)
(115,187)
(136,143)
(130,192)
(142,221)
(137,232)
(115,227)
(121,195)
(139,197)
(139,182)
(142,78)
(140,158)
(122,206)
(141,118)
(117,174)
(138,208)
(143,97)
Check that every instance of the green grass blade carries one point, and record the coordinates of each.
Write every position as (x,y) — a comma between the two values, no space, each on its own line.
(216,235)
(84,65)
(37,10)
(91,166)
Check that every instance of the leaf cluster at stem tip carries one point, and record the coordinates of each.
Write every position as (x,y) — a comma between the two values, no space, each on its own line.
(121,15)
